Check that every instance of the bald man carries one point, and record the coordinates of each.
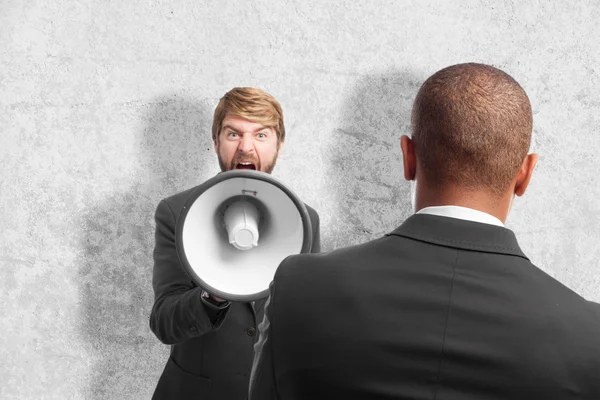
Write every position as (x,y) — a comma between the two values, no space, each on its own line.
(447,306)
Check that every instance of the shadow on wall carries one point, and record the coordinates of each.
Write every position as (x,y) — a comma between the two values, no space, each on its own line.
(372,197)
(175,151)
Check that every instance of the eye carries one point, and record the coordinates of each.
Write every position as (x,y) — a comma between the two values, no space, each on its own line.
(262,135)
(232,134)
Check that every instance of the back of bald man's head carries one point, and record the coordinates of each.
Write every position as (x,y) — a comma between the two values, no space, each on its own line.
(472,127)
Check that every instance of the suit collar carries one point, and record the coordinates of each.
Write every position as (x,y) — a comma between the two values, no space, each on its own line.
(459,233)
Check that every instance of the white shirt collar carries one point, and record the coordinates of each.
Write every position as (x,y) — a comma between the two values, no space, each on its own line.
(459,212)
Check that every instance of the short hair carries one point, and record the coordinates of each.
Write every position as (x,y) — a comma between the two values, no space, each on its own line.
(252,104)
(471,126)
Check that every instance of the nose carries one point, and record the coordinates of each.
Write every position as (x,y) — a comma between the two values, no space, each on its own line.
(246,144)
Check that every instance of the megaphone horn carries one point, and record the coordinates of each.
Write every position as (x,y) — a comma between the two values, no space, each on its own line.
(236,228)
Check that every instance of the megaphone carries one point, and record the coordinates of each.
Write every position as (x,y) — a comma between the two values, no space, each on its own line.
(236,228)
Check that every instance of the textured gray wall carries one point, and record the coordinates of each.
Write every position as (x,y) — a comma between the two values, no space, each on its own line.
(106,106)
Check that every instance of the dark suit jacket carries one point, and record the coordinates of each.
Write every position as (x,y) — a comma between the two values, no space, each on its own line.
(441,308)
(212,350)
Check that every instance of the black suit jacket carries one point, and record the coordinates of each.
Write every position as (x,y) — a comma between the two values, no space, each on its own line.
(212,347)
(440,308)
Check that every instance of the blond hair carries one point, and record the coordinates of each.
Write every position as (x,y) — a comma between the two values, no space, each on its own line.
(252,104)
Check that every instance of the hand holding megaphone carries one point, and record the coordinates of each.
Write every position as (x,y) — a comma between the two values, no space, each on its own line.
(212,298)
(234,231)
(217,299)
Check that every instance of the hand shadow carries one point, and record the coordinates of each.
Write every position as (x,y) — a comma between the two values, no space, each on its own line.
(175,153)
(367,174)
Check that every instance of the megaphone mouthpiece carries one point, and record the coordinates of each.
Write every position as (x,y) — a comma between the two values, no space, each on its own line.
(241,222)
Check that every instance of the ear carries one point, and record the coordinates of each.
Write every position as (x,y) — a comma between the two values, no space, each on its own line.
(524,176)
(408,157)
(216,146)
(279,146)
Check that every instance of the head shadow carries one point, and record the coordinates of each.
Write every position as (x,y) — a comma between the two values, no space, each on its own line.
(366,173)
(175,152)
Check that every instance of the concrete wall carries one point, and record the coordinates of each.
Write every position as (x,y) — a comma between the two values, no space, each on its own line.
(106,106)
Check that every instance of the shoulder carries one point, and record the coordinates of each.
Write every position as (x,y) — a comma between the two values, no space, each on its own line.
(176,201)
(344,258)
(559,306)
(594,308)
(314,217)
(180,196)
(550,287)
(312,212)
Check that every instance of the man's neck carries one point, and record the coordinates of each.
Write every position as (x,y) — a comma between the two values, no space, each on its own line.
(476,200)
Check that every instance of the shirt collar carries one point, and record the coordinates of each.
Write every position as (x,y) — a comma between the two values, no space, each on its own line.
(459,212)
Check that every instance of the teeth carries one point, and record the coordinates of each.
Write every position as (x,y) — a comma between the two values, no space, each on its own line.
(246,163)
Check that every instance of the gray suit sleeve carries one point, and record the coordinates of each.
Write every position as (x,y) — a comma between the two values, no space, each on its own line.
(179,311)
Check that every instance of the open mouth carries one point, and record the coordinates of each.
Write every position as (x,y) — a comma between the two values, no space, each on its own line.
(245,165)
